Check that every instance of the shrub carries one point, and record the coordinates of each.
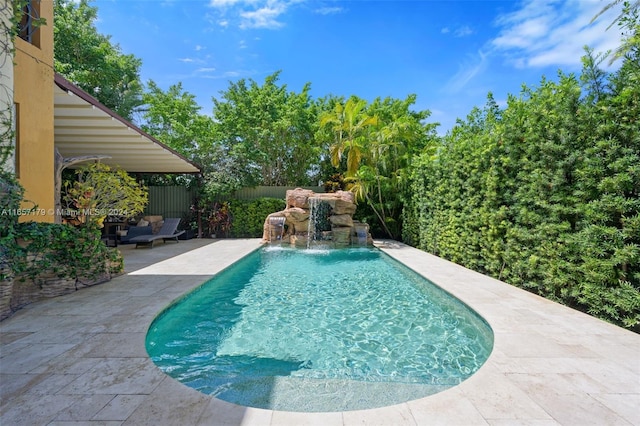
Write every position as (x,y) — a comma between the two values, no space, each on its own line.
(68,252)
(247,217)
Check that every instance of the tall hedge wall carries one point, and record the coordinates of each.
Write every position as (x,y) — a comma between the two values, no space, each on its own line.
(543,194)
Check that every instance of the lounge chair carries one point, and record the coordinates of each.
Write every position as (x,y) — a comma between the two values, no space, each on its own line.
(167,232)
(133,232)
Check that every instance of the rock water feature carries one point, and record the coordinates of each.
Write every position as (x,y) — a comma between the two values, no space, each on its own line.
(316,220)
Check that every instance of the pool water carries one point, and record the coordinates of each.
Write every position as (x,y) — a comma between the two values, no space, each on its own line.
(319,330)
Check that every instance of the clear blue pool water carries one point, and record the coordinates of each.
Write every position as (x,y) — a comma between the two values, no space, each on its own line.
(314,330)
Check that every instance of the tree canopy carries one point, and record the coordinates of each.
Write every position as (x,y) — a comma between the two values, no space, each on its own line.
(269,131)
(89,59)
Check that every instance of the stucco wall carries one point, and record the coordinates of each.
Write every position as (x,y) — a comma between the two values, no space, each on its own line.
(33,95)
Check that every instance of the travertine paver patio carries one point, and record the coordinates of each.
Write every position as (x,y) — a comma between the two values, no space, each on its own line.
(80,359)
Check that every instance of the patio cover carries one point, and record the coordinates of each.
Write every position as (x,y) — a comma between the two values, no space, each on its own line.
(83,126)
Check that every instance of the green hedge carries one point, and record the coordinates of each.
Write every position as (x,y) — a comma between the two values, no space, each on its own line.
(544,194)
(247,217)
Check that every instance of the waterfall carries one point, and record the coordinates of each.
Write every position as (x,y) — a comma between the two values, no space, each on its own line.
(313,220)
(319,228)
(276,228)
(361,231)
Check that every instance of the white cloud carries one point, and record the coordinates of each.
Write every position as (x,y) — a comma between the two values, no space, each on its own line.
(551,33)
(468,70)
(462,31)
(229,3)
(265,17)
(205,69)
(247,14)
(328,10)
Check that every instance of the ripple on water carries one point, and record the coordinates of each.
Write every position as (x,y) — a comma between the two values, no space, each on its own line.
(302,330)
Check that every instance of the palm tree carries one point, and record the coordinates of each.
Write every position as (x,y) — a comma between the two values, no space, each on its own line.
(627,18)
(349,124)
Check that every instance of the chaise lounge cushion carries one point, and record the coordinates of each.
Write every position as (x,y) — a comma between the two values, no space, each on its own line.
(135,231)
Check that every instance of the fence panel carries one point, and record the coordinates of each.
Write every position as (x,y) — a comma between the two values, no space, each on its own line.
(169,201)
(175,201)
(268,191)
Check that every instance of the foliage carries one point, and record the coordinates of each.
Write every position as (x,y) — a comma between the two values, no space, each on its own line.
(218,219)
(267,134)
(334,183)
(65,251)
(626,20)
(544,194)
(174,118)
(379,141)
(89,59)
(101,191)
(348,125)
(247,217)
(11,195)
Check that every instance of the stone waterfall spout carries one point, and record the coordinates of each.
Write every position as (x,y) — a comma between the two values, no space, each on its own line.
(276,228)
(316,218)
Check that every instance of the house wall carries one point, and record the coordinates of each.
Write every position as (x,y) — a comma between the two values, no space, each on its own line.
(33,97)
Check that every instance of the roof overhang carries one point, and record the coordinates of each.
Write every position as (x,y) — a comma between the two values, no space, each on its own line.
(83,126)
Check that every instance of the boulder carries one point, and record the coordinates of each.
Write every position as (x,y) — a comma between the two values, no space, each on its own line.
(341,236)
(341,220)
(341,206)
(297,214)
(298,198)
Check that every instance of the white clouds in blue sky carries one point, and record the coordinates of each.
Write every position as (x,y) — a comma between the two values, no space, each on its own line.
(552,33)
(449,53)
(261,14)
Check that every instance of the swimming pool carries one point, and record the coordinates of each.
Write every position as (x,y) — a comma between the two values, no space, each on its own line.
(314,330)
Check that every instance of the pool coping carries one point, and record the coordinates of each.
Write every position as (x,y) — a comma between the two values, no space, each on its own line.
(80,358)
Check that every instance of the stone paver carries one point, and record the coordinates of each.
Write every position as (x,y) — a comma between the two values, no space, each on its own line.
(80,358)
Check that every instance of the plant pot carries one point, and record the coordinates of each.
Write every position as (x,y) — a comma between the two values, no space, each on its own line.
(188,234)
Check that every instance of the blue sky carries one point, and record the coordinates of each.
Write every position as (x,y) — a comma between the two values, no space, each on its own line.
(449,53)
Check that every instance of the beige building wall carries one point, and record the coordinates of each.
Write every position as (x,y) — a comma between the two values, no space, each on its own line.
(33,97)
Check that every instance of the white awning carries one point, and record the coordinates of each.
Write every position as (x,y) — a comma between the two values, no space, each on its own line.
(83,126)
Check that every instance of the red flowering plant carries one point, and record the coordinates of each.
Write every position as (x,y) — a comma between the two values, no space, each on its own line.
(219,219)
